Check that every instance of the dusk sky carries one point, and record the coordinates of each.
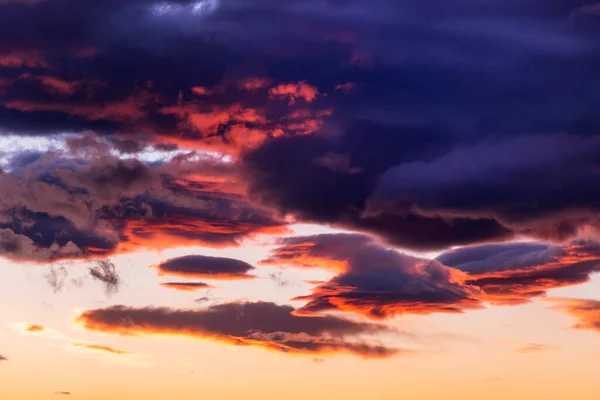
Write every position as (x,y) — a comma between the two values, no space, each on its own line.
(300,199)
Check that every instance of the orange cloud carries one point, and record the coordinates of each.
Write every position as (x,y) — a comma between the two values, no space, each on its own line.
(295,91)
(587,312)
(34,328)
(260,324)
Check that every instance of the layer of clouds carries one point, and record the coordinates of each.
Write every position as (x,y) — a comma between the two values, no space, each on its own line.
(261,324)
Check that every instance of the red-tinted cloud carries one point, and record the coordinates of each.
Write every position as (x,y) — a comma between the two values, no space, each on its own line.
(260,324)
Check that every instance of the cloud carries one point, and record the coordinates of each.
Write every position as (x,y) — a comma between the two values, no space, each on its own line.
(197,266)
(35,328)
(2,358)
(56,277)
(63,393)
(62,340)
(186,286)
(514,273)
(378,282)
(97,347)
(82,206)
(586,312)
(375,281)
(533,348)
(106,272)
(260,324)
(294,91)
(464,90)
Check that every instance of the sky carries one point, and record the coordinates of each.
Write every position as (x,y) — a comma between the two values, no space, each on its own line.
(324,199)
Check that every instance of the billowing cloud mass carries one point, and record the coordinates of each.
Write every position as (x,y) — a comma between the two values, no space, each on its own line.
(244,324)
(379,282)
(586,312)
(35,328)
(197,266)
(84,202)
(469,128)
(428,125)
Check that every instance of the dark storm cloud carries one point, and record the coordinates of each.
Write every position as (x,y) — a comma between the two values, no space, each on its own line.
(432,124)
(379,282)
(197,266)
(244,324)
